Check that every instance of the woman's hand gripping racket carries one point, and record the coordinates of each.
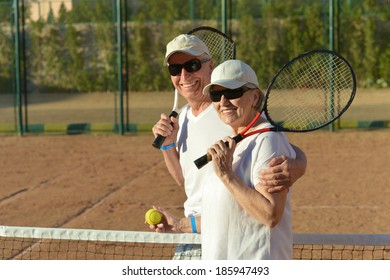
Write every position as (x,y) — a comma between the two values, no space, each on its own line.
(309,92)
(221,48)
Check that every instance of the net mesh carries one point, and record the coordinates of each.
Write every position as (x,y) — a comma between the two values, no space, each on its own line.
(310,91)
(27,243)
(221,47)
(81,244)
(341,247)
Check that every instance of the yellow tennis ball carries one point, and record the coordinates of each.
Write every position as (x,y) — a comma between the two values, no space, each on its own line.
(153,217)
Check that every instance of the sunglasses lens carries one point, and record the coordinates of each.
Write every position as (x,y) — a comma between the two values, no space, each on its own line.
(230,94)
(175,69)
(236,93)
(190,66)
(215,97)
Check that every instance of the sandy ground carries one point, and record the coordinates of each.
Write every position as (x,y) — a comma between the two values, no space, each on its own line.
(109,181)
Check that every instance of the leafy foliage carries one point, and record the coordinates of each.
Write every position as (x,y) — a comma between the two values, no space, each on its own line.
(76,50)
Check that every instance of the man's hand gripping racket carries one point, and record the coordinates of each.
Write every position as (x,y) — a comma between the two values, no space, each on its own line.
(221,48)
(159,140)
(309,92)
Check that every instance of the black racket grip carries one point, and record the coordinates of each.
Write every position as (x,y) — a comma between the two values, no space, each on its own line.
(157,143)
(159,140)
(203,160)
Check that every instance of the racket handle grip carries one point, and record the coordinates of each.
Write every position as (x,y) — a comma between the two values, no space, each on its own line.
(202,161)
(159,140)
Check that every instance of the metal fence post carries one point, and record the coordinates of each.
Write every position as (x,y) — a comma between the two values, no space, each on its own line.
(17,69)
(331,38)
(119,42)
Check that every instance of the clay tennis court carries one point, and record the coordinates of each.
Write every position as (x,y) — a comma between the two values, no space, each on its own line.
(109,181)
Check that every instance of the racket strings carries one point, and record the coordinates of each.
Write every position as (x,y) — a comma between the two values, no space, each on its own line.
(220,47)
(310,92)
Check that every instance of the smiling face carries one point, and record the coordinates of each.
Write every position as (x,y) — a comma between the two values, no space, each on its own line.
(191,84)
(237,112)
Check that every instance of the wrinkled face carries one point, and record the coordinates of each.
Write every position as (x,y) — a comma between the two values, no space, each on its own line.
(190,83)
(236,111)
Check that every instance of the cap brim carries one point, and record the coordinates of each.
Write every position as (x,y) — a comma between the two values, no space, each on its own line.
(187,51)
(230,84)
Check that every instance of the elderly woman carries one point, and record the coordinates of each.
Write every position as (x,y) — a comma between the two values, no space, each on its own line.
(240,218)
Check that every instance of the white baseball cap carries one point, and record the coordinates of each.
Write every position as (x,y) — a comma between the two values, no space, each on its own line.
(232,74)
(186,43)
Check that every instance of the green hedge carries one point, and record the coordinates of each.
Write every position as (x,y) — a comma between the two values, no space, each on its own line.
(77,51)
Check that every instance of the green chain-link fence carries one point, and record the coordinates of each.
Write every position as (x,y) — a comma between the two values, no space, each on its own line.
(96,65)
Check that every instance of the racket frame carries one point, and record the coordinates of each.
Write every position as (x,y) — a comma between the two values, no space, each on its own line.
(264,107)
(203,160)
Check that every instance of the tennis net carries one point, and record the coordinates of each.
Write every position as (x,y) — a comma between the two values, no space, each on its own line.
(35,243)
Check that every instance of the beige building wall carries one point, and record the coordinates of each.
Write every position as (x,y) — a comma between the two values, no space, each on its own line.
(41,8)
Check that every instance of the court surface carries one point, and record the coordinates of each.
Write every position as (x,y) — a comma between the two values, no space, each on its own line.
(109,181)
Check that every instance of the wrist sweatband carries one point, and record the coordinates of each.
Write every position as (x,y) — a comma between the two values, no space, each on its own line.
(193,224)
(167,147)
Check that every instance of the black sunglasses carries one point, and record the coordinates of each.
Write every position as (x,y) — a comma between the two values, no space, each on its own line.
(190,66)
(216,95)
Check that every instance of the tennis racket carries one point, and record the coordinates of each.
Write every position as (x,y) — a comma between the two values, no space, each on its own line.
(221,48)
(309,92)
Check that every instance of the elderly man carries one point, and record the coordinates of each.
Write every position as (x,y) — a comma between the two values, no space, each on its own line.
(197,128)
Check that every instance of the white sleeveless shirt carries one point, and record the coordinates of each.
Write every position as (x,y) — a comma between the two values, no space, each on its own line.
(196,135)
